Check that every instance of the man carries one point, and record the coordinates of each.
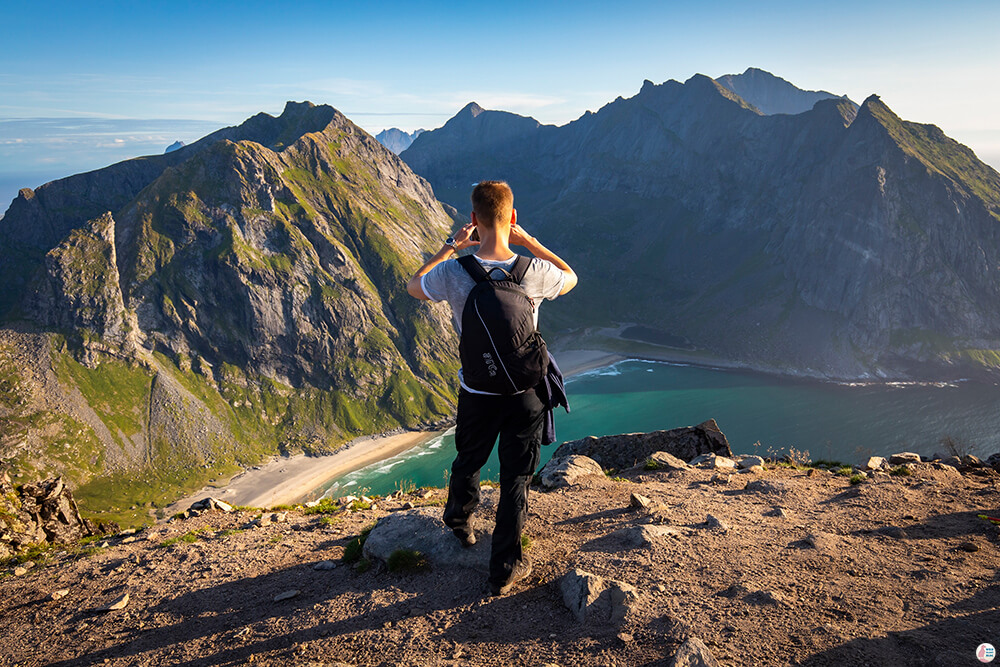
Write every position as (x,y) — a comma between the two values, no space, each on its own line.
(517,419)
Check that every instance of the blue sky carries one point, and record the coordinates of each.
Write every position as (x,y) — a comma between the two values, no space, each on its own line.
(134,76)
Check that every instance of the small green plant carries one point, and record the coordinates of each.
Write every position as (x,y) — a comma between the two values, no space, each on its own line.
(857,479)
(493,484)
(405,486)
(610,472)
(179,515)
(619,479)
(900,471)
(281,508)
(526,542)
(352,550)
(189,537)
(228,531)
(363,566)
(652,464)
(844,471)
(828,463)
(275,539)
(325,506)
(327,521)
(358,505)
(406,560)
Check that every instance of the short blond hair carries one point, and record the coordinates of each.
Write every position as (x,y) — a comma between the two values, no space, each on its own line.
(492,202)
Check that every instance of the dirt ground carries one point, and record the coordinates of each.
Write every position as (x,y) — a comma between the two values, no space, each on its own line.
(892,571)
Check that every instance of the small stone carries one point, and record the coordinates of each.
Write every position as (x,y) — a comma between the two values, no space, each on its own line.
(426,494)
(891,531)
(972,461)
(312,503)
(667,461)
(904,457)
(625,637)
(875,463)
(720,478)
(366,499)
(753,469)
(408,505)
(762,598)
(751,461)
(130,540)
(970,547)
(287,595)
(279,517)
(715,522)
(778,512)
(640,501)
(373,507)
(20,571)
(264,520)
(59,594)
(120,603)
(325,565)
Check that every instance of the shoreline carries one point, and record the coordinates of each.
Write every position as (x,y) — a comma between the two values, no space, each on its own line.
(286,480)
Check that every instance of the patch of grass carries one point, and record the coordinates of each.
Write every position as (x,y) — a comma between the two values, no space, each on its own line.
(282,508)
(652,464)
(526,542)
(363,565)
(858,478)
(228,531)
(900,471)
(189,537)
(325,506)
(405,486)
(828,463)
(358,505)
(352,551)
(407,560)
(492,483)
(611,472)
(275,539)
(844,471)
(327,521)
(620,479)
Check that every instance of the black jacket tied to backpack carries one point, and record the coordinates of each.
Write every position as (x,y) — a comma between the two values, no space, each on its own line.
(500,347)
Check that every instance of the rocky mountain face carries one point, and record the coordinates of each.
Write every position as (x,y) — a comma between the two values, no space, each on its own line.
(772,94)
(396,140)
(170,317)
(839,241)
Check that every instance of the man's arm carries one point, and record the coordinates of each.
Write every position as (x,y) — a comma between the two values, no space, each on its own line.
(520,237)
(413,287)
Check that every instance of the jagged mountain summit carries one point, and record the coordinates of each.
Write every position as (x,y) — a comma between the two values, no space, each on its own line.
(841,241)
(397,140)
(171,316)
(174,146)
(772,94)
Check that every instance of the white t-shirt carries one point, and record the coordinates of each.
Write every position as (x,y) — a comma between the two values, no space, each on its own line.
(449,281)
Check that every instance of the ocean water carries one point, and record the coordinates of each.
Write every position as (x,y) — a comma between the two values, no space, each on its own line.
(759,413)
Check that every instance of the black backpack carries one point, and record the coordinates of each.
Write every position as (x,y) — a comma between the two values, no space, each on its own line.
(501,350)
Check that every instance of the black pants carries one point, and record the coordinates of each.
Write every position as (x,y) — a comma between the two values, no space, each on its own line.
(518,420)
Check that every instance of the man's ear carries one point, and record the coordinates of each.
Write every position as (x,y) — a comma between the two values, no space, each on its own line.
(513,217)
(474,221)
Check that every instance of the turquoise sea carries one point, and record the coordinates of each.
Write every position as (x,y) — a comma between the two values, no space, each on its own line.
(759,413)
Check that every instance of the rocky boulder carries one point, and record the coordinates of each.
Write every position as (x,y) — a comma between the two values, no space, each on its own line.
(33,513)
(630,449)
(569,470)
(422,530)
(595,599)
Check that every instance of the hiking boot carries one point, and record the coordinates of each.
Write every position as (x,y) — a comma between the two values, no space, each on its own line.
(467,538)
(521,571)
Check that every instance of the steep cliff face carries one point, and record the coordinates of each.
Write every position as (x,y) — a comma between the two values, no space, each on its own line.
(838,241)
(238,296)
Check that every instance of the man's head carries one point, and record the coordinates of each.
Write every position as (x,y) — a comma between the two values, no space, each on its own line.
(492,203)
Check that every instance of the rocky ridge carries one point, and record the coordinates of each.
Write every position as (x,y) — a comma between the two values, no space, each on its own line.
(717,560)
(172,317)
(838,242)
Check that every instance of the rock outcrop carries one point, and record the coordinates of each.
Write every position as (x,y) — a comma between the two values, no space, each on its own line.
(37,513)
(630,449)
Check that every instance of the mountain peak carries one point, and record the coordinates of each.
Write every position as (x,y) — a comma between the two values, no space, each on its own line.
(471,109)
(772,94)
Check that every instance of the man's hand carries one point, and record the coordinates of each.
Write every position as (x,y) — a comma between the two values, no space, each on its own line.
(520,237)
(463,237)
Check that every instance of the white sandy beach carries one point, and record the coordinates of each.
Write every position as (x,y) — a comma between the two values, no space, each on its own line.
(288,480)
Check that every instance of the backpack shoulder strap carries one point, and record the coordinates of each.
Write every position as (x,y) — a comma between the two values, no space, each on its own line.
(520,267)
(474,268)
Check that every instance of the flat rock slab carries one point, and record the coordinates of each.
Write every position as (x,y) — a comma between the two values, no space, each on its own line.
(647,535)
(422,530)
(631,449)
(569,470)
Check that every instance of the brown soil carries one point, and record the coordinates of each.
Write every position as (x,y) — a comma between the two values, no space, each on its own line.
(892,571)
